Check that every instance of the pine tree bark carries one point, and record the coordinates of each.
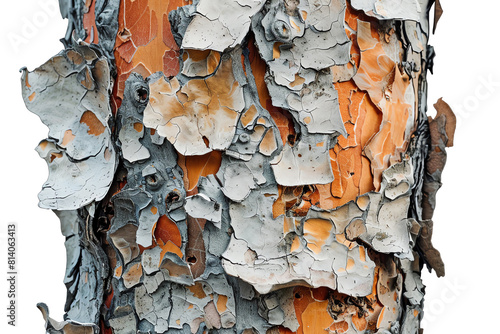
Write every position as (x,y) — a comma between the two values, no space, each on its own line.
(242,166)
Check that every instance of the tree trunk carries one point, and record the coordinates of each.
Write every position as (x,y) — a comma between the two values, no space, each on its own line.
(242,166)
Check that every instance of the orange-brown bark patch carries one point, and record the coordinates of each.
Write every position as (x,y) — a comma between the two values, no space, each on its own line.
(96,128)
(166,230)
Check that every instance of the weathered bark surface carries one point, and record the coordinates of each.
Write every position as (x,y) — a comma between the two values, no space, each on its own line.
(242,166)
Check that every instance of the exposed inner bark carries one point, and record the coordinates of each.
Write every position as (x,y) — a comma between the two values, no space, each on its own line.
(242,166)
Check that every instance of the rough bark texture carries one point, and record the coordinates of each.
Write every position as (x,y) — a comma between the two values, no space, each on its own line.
(242,166)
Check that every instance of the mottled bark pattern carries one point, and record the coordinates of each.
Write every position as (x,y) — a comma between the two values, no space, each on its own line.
(242,166)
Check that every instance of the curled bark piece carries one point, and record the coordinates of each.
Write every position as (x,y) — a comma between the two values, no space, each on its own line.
(250,167)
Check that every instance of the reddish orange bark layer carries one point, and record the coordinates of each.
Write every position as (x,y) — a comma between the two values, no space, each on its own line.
(145,43)
(370,127)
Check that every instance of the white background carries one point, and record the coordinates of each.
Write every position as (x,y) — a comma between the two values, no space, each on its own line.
(466,75)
